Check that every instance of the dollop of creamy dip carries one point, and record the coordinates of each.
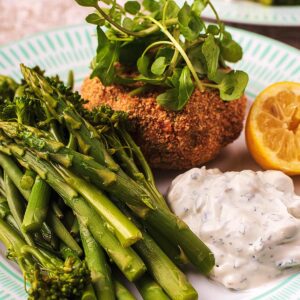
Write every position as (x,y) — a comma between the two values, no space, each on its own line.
(249,220)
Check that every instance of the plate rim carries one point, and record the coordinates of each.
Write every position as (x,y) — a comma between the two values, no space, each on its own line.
(66,27)
(85,25)
(257,22)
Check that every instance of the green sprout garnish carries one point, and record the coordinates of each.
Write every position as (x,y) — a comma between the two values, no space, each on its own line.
(158,43)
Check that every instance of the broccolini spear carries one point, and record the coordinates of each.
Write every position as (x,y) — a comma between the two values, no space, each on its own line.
(5,213)
(37,208)
(8,88)
(110,126)
(49,276)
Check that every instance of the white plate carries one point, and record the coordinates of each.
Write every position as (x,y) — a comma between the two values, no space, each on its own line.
(247,12)
(265,60)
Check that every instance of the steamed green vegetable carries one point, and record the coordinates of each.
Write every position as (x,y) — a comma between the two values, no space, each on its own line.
(103,171)
(49,276)
(149,289)
(122,293)
(100,270)
(92,190)
(37,207)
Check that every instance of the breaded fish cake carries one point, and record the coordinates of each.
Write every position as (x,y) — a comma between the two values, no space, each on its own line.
(174,140)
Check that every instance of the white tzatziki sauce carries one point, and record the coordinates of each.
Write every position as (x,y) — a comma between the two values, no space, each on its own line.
(250,221)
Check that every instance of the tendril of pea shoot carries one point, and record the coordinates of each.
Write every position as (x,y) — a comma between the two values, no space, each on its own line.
(159,43)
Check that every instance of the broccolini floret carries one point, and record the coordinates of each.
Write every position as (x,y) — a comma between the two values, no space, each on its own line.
(48,276)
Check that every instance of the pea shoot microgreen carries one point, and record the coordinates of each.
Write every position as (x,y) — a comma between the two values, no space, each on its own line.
(158,43)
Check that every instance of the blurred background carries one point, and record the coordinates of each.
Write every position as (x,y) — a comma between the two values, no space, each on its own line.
(19,18)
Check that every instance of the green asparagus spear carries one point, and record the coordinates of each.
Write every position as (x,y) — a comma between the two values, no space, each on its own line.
(148,182)
(37,208)
(128,163)
(75,228)
(5,214)
(122,293)
(56,209)
(162,269)
(16,205)
(86,135)
(149,289)
(124,229)
(14,173)
(69,219)
(100,271)
(175,230)
(89,293)
(60,230)
(173,251)
(14,199)
(72,143)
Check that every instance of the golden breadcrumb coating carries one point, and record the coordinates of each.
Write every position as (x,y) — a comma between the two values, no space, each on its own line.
(174,140)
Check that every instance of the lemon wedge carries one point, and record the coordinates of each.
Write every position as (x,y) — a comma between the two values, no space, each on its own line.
(273,128)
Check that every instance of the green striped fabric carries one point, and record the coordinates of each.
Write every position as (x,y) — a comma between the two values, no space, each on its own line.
(60,50)
(11,282)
